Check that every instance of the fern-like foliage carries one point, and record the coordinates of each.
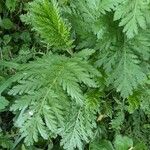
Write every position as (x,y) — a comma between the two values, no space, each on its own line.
(79,127)
(63,98)
(96,7)
(127,81)
(46,89)
(102,6)
(46,20)
(122,63)
(5,141)
(140,45)
(125,64)
(141,99)
(133,15)
(85,12)
(125,60)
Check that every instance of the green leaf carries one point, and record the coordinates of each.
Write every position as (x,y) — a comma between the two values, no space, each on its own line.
(44,93)
(11,4)
(9,64)
(101,145)
(130,75)
(7,38)
(117,122)
(104,5)
(3,102)
(5,141)
(133,102)
(123,143)
(132,15)
(47,21)
(140,146)
(6,23)
(78,129)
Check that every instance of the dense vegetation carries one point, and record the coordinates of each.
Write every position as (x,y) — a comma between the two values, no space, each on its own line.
(74,74)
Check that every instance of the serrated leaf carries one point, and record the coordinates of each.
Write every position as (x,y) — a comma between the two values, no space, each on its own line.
(47,21)
(132,15)
(130,74)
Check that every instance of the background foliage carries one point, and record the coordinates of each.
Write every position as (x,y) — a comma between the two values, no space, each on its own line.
(75,74)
